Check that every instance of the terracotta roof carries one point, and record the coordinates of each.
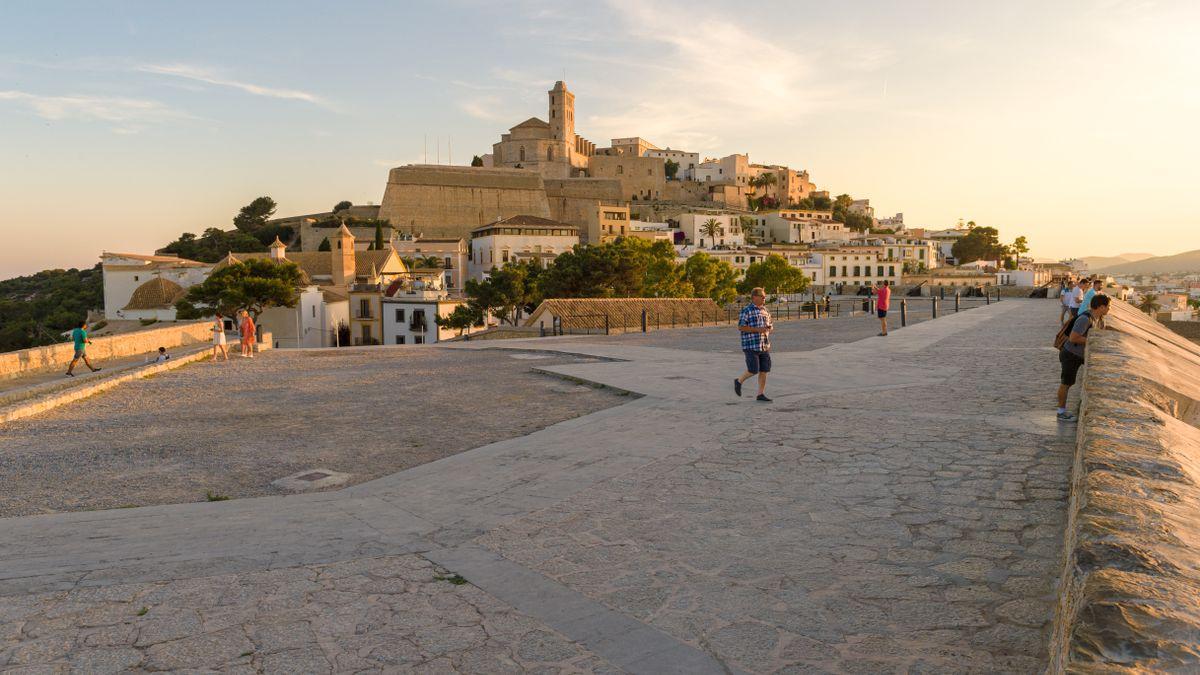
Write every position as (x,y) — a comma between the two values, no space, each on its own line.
(175,260)
(320,263)
(590,313)
(158,293)
(532,122)
(528,221)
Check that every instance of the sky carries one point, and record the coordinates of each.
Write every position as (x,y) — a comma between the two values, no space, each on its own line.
(123,124)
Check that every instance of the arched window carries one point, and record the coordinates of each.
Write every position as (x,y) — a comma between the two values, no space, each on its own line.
(620,169)
(550,154)
(521,153)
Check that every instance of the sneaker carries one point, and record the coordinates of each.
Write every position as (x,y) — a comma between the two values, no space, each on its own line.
(737,386)
(1066,417)
(763,398)
(69,374)
(95,370)
(882,335)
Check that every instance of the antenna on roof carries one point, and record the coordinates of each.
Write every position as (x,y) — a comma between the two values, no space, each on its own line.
(449,152)
(426,148)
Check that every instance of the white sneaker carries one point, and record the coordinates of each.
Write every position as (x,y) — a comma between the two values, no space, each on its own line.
(1066,417)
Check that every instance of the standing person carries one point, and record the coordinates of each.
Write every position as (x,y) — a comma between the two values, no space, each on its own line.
(1071,354)
(1074,296)
(754,324)
(218,330)
(80,337)
(247,330)
(1065,299)
(1089,291)
(882,302)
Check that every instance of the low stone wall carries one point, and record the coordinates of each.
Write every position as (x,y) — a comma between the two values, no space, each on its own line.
(23,362)
(1188,329)
(1129,595)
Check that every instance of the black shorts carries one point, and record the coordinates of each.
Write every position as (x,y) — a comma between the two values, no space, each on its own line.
(757,362)
(882,313)
(1070,366)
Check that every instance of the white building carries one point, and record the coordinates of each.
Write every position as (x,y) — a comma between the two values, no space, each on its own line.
(917,252)
(729,169)
(688,161)
(895,222)
(451,255)
(147,286)
(409,315)
(518,237)
(802,229)
(858,266)
(1034,275)
(728,233)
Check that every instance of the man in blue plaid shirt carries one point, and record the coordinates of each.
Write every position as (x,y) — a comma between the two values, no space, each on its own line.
(754,324)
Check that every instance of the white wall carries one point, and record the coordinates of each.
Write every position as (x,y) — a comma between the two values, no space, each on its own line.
(731,235)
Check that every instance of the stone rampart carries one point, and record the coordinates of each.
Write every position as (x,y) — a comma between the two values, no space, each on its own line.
(1188,329)
(450,201)
(55,356)
(1129,594)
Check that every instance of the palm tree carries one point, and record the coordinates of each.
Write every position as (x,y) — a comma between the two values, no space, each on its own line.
(711,228)
(1149,304)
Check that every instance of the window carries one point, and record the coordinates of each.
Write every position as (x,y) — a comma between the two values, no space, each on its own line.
(521,153)
(880,272)
(844,271)
(418,325)
(418,339)
(399,315)
(366,333)
(504,255)
(857,270)
(364,308)
(399,339)
(549,154)
(620,169)
(891,270)
(833,270)
(314,311)
(135,277)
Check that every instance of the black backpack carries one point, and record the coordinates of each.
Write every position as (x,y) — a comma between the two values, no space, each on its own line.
(1065,332)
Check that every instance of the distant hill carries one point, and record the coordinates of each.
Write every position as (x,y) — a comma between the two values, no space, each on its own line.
(1099,262)
(34,309)
(1187,262)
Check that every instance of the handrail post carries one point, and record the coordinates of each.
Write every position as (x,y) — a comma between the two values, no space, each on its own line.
(935,304)
(987,297)
(903,312)
(957,300)
(606,323)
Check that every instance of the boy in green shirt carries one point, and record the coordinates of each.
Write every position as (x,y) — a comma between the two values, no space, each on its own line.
(80,337)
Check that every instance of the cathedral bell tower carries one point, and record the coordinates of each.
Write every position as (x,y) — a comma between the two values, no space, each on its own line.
(562,119)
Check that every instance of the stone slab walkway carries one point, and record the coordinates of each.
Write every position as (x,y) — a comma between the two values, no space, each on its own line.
(897,509)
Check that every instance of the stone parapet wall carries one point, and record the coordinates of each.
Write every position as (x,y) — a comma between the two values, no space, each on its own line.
(1188,329)
(1129,594)
(38,359)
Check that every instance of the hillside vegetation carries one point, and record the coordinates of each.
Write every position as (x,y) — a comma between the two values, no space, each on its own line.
(36,309)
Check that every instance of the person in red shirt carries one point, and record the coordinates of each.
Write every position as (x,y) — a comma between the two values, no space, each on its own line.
(883,299)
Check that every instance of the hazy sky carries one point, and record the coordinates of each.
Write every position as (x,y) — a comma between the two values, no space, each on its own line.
(123,124)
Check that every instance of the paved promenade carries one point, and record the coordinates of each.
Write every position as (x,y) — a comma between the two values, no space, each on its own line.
(898,508)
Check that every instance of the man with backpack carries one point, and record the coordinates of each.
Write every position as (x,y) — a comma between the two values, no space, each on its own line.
(1072,344)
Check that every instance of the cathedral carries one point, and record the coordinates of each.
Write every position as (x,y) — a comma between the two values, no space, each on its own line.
(550,148)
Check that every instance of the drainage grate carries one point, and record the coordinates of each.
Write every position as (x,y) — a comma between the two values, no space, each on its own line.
(314,476)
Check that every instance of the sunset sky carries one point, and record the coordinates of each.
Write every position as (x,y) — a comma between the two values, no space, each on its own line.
(123,124)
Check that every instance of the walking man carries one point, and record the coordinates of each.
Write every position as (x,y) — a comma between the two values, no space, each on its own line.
(754,324)
(1071,354)
(883,299)
(80,337)
(1064,297)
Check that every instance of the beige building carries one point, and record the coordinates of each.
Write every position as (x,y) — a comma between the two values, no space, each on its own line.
(789,187)
(147,286)
(858,266)
(518,238)
(452,254)
(607,222)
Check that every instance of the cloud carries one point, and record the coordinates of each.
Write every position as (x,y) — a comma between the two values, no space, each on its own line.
(129,114)
(200,74)
(485,108)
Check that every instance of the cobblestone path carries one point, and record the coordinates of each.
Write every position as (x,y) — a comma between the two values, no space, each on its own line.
(898,508)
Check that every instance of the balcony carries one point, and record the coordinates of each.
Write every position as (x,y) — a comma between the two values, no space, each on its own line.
(418,326)
(365,316)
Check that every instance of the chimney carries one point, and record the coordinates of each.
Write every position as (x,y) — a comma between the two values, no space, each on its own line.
(278,249)
(343,257)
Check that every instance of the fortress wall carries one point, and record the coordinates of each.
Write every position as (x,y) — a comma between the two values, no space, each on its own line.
(574,200)
(58,356)
(640,177)
(1129,594)
(446,201)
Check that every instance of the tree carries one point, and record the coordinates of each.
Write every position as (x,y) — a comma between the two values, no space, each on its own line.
(325,245)
(342,205)
(1020,246)
(476,161)
(1149,304)
(36,309)
(617,269)
(509,290)
(671,167)
(711,278)
(255,214)
(748,229)
(213,245)
(979,243)
(711,228)
(462,318)
(775,275)
(378,236)
(254,286)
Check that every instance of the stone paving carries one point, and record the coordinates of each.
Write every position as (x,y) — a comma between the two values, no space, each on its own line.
(232,429)
(897,509)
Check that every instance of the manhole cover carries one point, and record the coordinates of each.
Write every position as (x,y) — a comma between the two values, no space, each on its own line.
(315,475)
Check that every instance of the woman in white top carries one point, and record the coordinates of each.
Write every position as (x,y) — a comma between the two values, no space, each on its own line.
(218,329)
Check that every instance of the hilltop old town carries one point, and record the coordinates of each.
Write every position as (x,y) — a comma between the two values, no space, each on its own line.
(394,273)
